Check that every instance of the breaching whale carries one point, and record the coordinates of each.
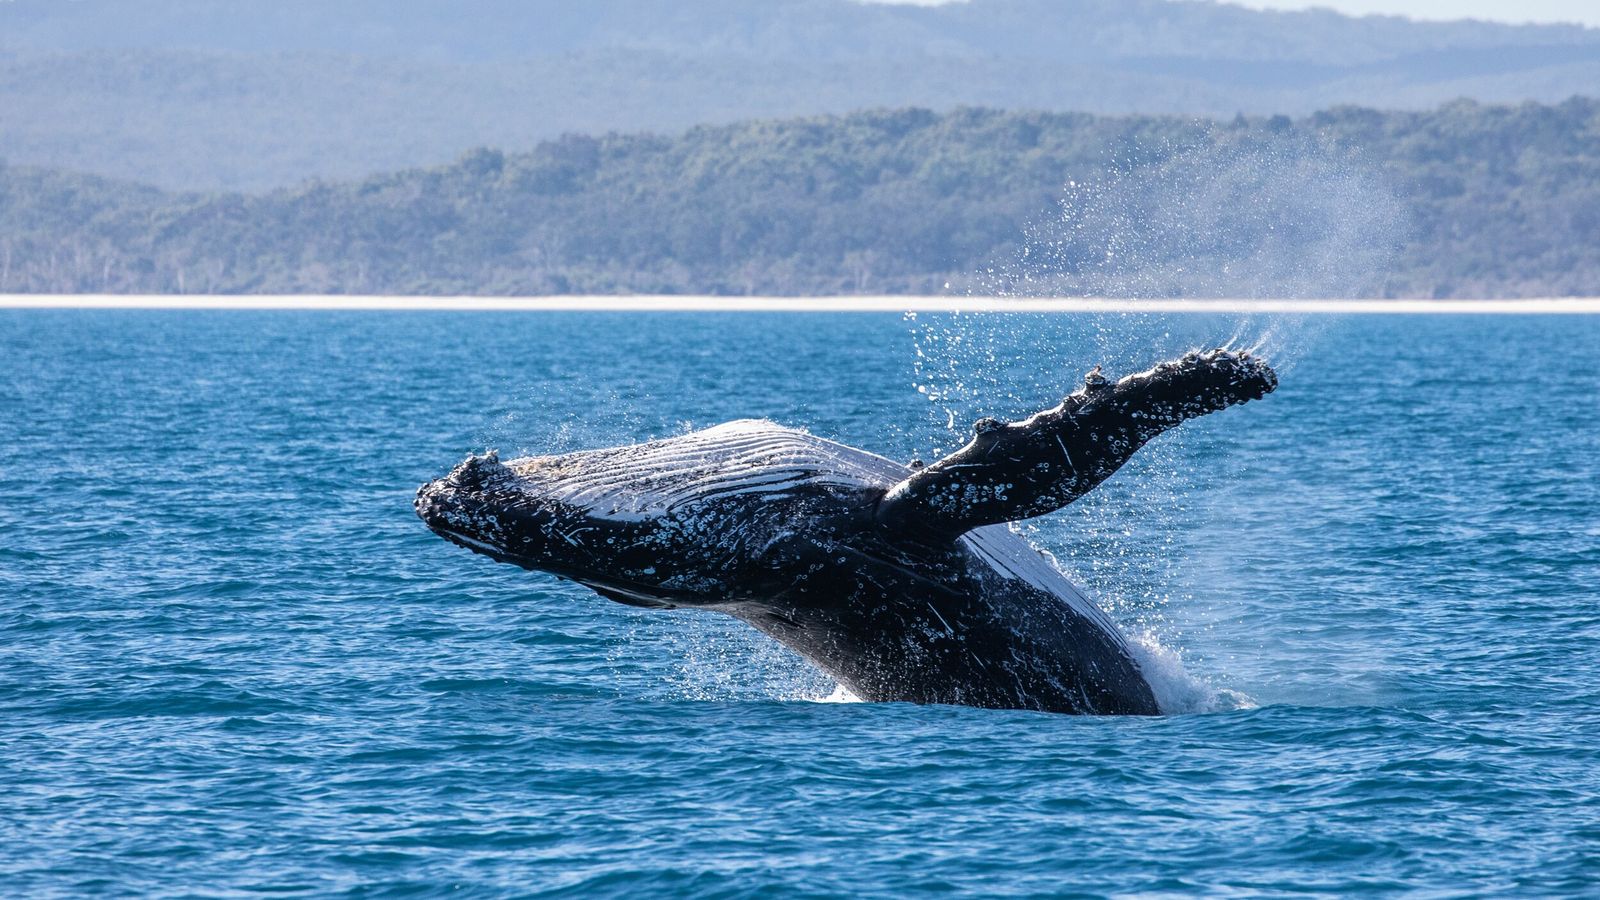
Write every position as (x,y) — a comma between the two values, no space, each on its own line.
(903,582)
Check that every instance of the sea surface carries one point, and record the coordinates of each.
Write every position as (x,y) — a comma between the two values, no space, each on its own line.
(232,661)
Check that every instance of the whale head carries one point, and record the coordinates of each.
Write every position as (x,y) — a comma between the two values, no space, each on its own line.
(657,524)
(480,506)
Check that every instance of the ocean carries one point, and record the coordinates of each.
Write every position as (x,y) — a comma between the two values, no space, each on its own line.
(233,662)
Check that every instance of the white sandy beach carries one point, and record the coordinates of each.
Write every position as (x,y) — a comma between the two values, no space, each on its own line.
(878,304)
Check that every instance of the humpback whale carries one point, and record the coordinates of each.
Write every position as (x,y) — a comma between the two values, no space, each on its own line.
(903,582)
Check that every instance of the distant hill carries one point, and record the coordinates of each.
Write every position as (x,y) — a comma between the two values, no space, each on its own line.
(1462,201)
(252,94)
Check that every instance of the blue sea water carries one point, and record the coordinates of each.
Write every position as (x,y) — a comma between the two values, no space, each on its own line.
(233,662)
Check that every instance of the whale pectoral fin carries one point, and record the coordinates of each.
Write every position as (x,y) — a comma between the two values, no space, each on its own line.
(1030,468)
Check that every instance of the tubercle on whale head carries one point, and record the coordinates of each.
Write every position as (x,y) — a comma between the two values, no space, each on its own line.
(476,471)
(468,505)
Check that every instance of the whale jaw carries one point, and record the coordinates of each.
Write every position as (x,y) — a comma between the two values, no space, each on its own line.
(514,513)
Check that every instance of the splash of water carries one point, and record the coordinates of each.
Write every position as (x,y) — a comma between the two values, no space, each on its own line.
(719,658)
(543,420)
(1179,691)
(1242,216)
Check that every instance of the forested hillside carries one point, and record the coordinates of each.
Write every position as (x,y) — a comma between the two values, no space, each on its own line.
(1462,201)
(256,94)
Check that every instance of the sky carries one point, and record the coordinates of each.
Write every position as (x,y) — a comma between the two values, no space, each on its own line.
(1586,12)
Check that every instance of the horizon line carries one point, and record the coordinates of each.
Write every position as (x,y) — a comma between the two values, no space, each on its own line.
(710,303)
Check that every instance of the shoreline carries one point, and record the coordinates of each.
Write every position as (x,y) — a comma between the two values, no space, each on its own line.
(877,304)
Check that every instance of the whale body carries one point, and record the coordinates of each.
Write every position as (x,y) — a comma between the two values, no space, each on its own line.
(903,582)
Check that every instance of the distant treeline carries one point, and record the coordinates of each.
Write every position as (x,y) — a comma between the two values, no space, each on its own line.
(1463,201)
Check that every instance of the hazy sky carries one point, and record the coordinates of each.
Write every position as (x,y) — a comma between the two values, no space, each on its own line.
(1584,11)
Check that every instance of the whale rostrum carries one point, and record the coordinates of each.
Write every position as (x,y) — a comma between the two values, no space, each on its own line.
(902,582)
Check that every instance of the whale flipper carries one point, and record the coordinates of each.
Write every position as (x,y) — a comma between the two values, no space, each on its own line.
(1029,468)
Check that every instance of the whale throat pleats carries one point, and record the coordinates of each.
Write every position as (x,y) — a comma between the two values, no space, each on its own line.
(1025,469)
(645,481)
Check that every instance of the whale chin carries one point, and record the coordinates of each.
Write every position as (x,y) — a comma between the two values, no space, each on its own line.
(498,554)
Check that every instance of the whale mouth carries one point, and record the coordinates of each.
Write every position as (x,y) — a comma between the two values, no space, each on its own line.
(453,516)
(466,521)
(480,513)
(470,543)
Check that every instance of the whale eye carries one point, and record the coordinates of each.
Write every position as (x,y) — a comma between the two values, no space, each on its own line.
(987,425)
